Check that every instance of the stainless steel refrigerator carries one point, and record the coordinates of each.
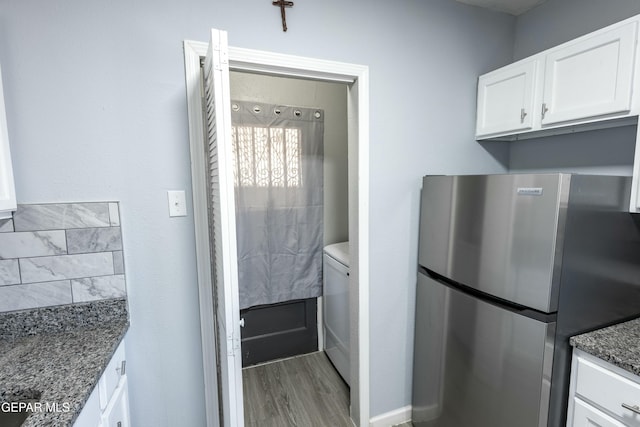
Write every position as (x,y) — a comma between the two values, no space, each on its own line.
(511,266)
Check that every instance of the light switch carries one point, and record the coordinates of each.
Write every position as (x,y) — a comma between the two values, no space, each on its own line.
(177,203)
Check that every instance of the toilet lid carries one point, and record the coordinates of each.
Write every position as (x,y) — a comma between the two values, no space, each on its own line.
(339,252)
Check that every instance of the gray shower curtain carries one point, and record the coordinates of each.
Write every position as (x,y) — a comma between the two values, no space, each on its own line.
(279,191)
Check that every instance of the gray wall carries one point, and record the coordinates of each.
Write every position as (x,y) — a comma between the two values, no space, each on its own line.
(424,60)
(96,107)
(332,98)
(602,152)
(558,21)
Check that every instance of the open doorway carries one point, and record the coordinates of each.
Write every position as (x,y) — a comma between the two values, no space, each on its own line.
(283,343)
(356,79)
(293,326)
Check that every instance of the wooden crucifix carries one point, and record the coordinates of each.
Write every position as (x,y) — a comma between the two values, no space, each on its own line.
(282,4)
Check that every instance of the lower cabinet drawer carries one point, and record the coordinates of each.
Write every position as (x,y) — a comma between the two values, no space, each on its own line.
(608,391)
(586,415)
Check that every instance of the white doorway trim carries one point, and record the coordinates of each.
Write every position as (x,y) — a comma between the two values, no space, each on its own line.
(357,78)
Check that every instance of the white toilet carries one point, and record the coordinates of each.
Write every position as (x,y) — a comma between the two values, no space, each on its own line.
(336,306)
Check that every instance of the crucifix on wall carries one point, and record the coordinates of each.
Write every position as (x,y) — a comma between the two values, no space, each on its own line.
(282,4)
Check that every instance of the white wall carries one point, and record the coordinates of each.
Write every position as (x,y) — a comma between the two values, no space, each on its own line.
(96,106)
(603,152)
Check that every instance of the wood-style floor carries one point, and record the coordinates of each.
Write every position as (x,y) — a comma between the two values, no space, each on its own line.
(301,391)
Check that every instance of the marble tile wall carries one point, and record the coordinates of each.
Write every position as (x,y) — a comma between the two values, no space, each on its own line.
(63,253)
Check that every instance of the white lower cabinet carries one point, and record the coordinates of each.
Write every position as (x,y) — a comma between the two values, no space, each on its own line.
(586,415)
(602,394)
(90,416)
(108,404)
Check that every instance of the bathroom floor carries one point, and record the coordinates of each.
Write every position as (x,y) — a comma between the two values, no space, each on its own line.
(301,391)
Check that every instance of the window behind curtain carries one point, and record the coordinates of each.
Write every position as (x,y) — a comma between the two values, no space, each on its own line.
(267,156)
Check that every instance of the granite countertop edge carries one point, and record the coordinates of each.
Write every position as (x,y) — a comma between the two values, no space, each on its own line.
(617,344)
(59,365)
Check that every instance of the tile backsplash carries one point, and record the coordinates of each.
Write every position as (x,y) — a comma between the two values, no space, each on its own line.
(53,254)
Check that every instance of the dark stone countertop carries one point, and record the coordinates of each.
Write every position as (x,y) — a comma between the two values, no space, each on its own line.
(57,355)
(618,344)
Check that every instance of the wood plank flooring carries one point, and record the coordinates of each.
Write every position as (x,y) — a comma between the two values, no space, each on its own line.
(301,391)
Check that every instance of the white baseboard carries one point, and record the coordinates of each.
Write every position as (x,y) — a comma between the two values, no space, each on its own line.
(391,418)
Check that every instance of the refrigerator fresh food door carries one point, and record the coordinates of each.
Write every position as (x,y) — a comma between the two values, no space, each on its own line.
(477,364)
(499,234)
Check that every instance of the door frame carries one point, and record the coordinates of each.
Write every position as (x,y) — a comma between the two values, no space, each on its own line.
(357,78)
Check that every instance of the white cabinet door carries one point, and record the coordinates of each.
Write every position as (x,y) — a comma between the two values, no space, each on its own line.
(117,412)
(108,404)
(7,189)
(90,414)
(585,415)
(591,77)
(505,99)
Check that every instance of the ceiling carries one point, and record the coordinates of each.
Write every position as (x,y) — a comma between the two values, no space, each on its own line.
(512,7)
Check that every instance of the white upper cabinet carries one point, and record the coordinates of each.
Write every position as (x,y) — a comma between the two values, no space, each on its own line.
(591,77)
(505,99)
(7,188)
(588,80)
(592,82)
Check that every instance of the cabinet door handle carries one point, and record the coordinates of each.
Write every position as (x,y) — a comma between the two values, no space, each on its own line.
(634,408)
(544,109)
(123,368)
(523,114)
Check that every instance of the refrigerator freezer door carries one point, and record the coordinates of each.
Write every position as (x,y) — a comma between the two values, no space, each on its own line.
(477,364)
(499,234)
